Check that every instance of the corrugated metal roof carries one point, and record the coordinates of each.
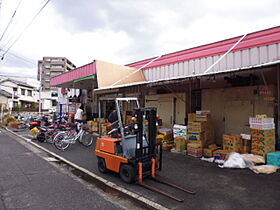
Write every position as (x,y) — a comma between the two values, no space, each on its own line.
(255,39)
(189,76)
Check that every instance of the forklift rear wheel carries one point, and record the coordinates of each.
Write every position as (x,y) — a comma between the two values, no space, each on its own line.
(102,165)
(128,173)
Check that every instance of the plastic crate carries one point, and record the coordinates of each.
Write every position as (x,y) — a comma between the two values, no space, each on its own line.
(264,126)
(261,120)
(273,158)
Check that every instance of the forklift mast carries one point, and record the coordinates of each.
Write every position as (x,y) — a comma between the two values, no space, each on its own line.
(147,117)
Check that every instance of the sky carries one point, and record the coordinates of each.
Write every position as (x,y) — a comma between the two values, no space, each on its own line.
(121,31)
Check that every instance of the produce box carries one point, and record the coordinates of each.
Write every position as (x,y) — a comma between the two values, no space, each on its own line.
(220,154)
(164,131)
(202,117)
(260,120)
(93,125)
(273,158)
(197,127)
(262,150)
(263,141)
(265,126)
(203,112)
(197,136)
(191,117)
(179,130)
(208,152)
(204,138)
(194,150)
(263,133)
(164,137)
(105,127)
(180,143)
(232,142)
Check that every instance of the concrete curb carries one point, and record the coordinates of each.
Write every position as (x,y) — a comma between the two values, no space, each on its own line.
(107,183)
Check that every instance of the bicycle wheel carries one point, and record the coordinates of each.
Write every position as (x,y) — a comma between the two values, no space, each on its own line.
(50,136)
(87,139)
(59,141)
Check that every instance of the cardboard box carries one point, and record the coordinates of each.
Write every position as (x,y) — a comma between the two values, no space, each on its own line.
(180,143)
(204,138)
(191,117)
(232,142)
(208,152)
(179,130)
(105,127)
(197,127)
(194,150)
(196,136)
(263,141)
(273,159)
(164,131)
(202,117)
(220,154)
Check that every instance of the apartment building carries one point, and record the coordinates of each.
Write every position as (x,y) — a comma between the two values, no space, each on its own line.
(50,67)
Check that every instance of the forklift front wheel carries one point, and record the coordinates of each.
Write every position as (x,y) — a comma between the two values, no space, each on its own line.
(128,173)
(101,165)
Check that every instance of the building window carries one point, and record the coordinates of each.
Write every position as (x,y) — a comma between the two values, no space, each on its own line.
(15,89)
(29,92)
(57,66)
(23,92)
(54,94)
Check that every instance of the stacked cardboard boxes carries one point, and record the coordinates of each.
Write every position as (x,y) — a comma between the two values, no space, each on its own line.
(200,129)
(208,152)
(263,135)
(263,141)
(165,136)
(194,149)
(93,125)
(180,138)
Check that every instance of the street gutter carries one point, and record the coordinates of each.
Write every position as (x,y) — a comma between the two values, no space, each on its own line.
(101,181)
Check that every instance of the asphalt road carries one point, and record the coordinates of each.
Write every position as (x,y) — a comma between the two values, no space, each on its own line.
(28,181)
(216,188)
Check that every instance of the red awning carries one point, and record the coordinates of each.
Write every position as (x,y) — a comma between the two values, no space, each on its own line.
(80,72)
(255,39)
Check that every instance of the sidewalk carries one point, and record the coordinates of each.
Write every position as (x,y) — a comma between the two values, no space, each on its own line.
(30,182)
(216,188)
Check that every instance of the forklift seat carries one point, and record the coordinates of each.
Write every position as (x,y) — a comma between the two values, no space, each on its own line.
(129,146)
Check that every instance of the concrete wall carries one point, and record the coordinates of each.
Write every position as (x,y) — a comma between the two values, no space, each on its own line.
(236,105)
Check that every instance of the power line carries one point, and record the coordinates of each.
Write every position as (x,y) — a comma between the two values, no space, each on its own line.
(11,19)
(22,58)
(41,9)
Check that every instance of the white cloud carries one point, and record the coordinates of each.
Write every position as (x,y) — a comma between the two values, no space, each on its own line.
(122,31)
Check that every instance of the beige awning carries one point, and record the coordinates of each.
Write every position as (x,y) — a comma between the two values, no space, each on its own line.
(111,75)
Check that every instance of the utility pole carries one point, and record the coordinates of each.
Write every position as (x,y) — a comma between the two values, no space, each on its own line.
(40,89)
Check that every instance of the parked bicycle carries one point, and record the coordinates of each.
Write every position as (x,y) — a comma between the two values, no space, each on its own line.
(80,133)
(47,134)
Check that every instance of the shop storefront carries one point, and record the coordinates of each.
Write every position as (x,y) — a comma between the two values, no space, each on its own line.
(234,79)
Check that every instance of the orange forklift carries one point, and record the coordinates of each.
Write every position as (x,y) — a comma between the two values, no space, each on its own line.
(134,153)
